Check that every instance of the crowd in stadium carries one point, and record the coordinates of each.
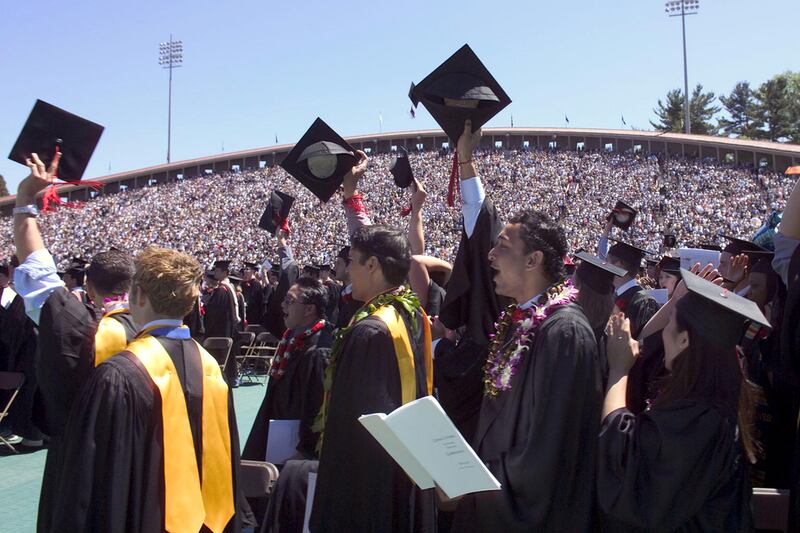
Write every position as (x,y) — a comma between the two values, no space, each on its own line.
(215,216)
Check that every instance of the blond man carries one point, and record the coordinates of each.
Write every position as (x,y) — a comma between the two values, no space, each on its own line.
(151,442)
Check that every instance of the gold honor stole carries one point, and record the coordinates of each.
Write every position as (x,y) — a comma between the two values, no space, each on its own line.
(405,355)
(110,337)
(190,504)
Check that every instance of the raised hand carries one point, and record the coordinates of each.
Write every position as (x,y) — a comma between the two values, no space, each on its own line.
(38,180)
(418,196)
(468,142)
(350,182)
(622,350)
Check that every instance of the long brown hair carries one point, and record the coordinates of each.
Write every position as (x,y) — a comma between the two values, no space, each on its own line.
(715,374)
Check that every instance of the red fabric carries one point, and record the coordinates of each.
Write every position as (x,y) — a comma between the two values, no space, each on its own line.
(285,226)
(405,211)
(356,203)
(287,346)
(451,189)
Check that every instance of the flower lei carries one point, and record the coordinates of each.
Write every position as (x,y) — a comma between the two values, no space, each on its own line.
(505,354)
(402,298)
(287,346)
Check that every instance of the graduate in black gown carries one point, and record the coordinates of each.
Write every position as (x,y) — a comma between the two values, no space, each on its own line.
(542,392)
(73,337)
(682,464)
(631,298)
(253,293)
(127,465)
(359,486)
(294,391)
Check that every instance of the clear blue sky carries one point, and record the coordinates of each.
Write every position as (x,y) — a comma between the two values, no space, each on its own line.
(254,69)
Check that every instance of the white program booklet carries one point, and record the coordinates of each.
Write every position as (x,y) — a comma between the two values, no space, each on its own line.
(284,436)
(427,445)
(690,256)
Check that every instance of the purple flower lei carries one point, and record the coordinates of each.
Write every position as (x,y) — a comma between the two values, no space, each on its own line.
(504,357)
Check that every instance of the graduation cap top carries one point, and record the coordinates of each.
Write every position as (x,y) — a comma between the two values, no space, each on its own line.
(401,168)
(628,252)
(622,215)
(719,314)
(596,273)
(49,127)
(671,265)
(277,211)
(761,261)
(320,160)
(250,265)
(222,264)
(459,89)
(738,246)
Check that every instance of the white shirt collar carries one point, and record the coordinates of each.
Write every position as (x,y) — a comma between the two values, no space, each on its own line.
(622,288)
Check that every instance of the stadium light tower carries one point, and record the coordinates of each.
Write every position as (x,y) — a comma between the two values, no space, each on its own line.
(170,56)
(682,8)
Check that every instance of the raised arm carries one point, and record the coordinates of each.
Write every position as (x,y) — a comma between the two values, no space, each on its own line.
(36,278)
(355,210)
(416,234)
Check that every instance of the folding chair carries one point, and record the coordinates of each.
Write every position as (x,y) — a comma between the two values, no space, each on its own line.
(265,347)
(247,342)
(770,509)
(257,478)
(10,381)
(220,348)
(255,328)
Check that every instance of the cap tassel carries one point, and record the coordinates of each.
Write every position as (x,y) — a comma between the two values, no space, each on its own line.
(405,211)
(51,199)
(285,226)
(451,189)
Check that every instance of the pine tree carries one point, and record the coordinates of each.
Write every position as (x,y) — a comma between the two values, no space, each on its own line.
(670,115)
(774,108)
(702,111)
(742,109)
(3,187)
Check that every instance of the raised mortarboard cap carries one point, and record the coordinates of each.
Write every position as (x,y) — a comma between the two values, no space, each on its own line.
(719,314)
(622,215)
(671,265)
(401,168)
(709,246)
(320,160)
(627,252)
(738,246)
(277,211)
(49,127)
(597,274)
(460,89)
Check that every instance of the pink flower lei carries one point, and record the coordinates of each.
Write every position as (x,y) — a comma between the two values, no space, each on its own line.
(505,354)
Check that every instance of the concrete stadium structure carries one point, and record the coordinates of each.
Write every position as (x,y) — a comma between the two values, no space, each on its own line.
(775,156)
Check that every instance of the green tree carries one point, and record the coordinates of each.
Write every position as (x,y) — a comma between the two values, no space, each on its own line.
(3,187)
(670,114)
(702,111)
(775,108)
(742,108)
(793,87)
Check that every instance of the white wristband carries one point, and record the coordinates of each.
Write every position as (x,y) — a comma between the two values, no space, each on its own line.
(31,210)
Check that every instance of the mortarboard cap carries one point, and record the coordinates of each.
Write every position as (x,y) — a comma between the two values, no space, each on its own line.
(320,160)
(460,89)
(210,274)
(401,169)
(49,127)
(222,264)
(671,265)
(250,265)
(738,246)
(719,314)
(761,261)
(622,215)
(628,253)
(709,246)
(277,212)
(597,274)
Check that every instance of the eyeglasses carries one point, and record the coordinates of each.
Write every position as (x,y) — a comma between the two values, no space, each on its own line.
(289,300)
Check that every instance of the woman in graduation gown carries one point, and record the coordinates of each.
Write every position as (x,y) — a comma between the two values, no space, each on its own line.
(682,464)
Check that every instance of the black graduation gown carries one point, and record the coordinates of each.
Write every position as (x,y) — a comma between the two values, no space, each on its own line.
(113,478)
(18,335)
(297,395)
(347,308)
(646,373)
(638,306)
(359,486)
(253,294)
(540,438)
(470,302)
(436,297)
(273,319)
(67,331)
(332,305)
(673,468)
(219,320)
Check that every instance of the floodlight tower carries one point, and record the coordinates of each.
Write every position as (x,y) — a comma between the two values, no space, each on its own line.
(682,8)
(170,56)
